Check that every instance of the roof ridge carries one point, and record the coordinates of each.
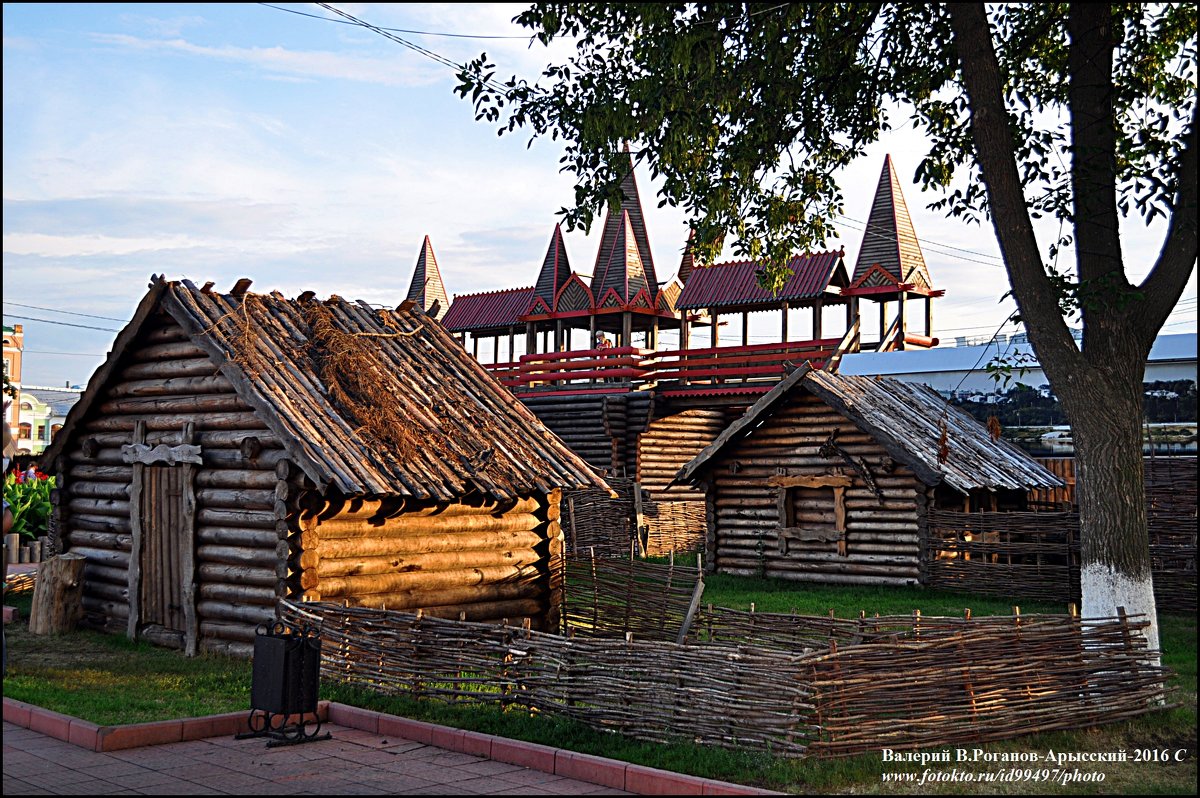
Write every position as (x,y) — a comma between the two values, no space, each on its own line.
(497,291)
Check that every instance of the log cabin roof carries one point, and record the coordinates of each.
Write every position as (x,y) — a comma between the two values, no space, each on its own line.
(367,402)
(907,420)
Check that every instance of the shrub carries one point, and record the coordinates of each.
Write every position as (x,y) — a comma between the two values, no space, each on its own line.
(29,500)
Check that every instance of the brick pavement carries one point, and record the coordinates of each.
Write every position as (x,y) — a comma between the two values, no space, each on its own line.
(354,762)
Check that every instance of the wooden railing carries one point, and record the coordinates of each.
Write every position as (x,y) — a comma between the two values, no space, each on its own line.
(584,366)
(739,363)
(631,365)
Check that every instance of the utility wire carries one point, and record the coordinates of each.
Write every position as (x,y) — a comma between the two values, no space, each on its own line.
(61,323)
(68,312)
(395,30)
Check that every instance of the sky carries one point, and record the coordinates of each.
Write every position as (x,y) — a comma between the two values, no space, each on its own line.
(215,142)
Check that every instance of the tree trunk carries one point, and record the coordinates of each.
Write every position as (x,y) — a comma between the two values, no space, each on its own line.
(57,595)
(1105,417)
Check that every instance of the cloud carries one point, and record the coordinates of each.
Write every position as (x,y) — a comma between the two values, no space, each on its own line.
(315,64)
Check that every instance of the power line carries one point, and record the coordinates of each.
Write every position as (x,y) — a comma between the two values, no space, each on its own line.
(396,30)
(61,323)
(68,312)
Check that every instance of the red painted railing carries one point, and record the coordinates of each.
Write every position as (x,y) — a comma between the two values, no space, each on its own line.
(583,366)
(740,363)
(725,365)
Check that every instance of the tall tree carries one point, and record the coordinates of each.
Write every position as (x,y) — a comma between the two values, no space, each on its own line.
(1082,112)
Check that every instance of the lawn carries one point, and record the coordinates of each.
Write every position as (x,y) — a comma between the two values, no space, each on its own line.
(108,680)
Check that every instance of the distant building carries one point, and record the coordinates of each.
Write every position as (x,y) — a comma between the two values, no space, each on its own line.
(963,368)
(14,347)
(43,413)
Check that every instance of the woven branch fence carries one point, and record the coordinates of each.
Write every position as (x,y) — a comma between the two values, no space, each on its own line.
(735,697)
(674,526)
(595,522)
(611,597)
(1036,555)
(592,520)
(988,679)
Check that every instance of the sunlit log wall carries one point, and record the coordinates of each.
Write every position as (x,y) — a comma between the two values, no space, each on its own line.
(475,560)
(674,516)
(880,542)
(242,491)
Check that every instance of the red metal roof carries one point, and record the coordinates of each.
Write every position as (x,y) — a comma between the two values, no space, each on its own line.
(491,310)
(734,283)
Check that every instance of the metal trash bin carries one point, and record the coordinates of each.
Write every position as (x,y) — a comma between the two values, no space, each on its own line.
(285,685)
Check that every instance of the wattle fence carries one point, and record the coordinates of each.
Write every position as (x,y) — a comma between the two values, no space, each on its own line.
(789,684)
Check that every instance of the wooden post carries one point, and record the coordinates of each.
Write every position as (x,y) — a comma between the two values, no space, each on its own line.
(784,324)
(928,317)
(57,595)
(903,326)
(716,336)
(530,338)
(592,331)
(745,328)
(626,329)
(187,548)
(817,325)
(511,336)
(558,335)
(134,580)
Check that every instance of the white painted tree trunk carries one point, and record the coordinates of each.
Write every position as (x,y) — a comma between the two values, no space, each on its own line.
(1104,589)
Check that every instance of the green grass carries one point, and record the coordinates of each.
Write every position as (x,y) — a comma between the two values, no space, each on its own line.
(110,681)
(106,679)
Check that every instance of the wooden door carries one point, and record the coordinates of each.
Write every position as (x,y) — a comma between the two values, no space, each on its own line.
(161,593)
(162,588)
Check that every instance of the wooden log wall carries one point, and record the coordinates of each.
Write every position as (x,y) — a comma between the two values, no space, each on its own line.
(881,541)
(242,490)
(674,515)
(585,423)
(671,442)
(475,560)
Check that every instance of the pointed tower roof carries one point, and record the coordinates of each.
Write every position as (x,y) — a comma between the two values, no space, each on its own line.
(631,206)
(689,260)
(890,240)
(427,284)
(623,270)
(556,270)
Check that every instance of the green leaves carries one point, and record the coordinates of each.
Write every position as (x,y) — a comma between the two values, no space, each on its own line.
(29,501)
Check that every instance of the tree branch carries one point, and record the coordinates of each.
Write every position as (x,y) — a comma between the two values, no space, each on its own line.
(1165,283)
(1093,140)
(995,154)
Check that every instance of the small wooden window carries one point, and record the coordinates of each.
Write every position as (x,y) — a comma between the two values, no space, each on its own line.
(812,510)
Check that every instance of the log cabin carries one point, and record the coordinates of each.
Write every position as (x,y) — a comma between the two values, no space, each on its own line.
(237,448)
(831,478)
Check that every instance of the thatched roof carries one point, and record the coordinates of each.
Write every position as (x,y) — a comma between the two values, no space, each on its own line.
(907,420)
(367,402)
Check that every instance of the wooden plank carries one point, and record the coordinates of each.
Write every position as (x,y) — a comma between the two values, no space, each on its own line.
(191,623)
(822,481)
(135,556)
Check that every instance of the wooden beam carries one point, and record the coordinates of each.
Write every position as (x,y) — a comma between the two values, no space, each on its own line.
(822,481)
